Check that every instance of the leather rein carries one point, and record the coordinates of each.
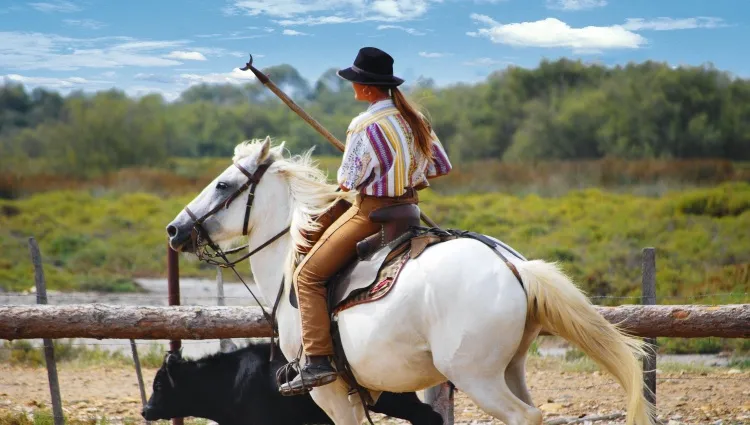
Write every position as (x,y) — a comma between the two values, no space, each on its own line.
(201,239)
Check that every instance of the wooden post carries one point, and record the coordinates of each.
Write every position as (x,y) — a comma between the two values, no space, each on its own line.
(138,373)
(49,348)
(225,344)
(648,297)
(440,397)
(173,282)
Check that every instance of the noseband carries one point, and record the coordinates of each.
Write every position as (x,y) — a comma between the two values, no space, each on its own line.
(199,234)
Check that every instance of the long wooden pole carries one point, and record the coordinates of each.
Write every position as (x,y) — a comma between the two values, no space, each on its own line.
(210,322)
(263,78)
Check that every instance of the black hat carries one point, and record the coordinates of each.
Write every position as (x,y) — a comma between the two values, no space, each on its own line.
(372,66)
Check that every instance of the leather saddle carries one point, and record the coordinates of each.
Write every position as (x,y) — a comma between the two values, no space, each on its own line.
(395,222)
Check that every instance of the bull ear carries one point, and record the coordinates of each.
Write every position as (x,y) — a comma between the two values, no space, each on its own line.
(171,363)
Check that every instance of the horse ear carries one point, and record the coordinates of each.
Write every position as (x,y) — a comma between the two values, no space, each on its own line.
(265,148)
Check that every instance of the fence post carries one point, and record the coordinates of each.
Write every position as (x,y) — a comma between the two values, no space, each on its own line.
(49,349)
(648,297)
(173,282)
(225,345)
(440,397)
(138,373)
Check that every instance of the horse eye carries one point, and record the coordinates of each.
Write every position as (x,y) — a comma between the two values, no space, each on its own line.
(221,185)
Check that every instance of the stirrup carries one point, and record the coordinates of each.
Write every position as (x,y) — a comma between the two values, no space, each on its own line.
(300,384)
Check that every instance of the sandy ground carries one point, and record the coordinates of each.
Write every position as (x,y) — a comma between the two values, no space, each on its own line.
(559,390)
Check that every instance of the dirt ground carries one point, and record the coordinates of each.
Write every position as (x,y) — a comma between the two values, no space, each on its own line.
(561,390)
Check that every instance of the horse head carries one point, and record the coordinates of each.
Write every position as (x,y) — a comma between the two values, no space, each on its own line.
(232,204)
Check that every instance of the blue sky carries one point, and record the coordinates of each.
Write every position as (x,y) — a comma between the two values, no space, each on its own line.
(167,45)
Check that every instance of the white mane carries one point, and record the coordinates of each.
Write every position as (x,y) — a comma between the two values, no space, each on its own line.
(311,194)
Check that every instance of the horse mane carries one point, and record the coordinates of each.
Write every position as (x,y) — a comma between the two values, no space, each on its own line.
(311,194)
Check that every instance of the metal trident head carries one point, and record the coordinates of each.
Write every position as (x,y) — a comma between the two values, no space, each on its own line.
(249,64)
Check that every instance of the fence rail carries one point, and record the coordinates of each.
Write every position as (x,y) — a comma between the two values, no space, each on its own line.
(103,321)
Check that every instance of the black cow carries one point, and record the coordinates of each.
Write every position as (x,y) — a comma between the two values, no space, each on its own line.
(239,388)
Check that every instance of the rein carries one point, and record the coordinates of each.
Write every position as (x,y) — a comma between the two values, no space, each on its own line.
(199,234)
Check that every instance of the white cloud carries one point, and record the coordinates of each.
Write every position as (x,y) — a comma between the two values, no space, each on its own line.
(551,32)
(85,23)
(57,83)
(186,56)
(293,32)
(155,78)
(575,4)
(411,31)
(266,29)
(150,45)
(668,24)
(237,76)
(486,62)
(318,12)
(208,35)
(400,9)
(433,54)
(317,20)
(61,6)
(25,50)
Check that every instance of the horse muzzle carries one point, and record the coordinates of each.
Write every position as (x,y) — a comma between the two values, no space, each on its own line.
(182,237)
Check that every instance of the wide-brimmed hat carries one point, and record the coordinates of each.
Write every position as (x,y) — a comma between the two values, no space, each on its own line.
(372,66)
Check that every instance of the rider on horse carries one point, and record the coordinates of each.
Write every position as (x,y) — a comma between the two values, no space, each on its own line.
(390,153)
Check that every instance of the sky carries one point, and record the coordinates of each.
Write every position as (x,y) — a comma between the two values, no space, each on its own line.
(166,46)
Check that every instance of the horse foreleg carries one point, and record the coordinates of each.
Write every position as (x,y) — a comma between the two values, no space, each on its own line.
(335,401)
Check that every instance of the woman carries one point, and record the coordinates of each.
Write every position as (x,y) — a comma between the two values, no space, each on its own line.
(390,153)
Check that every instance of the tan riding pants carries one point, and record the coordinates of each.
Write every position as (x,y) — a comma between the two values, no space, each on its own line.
(335,249)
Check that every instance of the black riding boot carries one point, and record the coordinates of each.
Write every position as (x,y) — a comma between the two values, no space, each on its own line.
(317,372)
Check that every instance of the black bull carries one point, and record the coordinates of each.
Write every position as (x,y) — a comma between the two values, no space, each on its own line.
(239,388)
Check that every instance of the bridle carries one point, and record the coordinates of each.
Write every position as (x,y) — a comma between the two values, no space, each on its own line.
(199,234)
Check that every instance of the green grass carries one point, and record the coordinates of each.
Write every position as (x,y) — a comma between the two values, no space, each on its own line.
(23,353)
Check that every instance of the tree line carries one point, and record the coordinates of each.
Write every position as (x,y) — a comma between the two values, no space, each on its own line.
(561,109)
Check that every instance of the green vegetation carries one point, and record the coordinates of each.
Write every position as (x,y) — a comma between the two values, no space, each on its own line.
(23,353)
(102,240)
(561,110)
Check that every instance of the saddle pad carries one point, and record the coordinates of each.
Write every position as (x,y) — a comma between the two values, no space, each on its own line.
(386,279)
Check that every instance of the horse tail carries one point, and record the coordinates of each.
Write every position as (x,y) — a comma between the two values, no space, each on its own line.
(561,307)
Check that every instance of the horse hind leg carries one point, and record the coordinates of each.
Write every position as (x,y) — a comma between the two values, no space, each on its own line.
(515,373)
(483,378)
(495,397)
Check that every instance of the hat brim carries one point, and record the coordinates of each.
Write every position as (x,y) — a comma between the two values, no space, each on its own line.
(350,74)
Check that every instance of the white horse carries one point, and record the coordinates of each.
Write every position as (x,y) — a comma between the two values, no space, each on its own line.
(456,313)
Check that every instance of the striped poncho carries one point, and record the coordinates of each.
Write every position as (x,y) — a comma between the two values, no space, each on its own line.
(381,158)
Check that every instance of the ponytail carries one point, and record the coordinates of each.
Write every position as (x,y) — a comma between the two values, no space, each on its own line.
(419,126)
